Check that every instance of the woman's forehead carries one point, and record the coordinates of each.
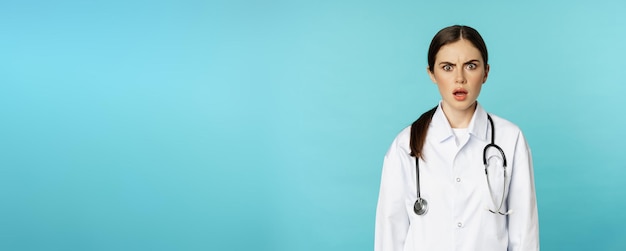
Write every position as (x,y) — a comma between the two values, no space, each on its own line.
(462,50)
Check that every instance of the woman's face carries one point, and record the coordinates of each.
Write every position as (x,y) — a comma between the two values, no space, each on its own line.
(459,72)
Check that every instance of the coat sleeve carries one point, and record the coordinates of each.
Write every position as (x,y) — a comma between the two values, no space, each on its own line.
(523,221)
(392,221)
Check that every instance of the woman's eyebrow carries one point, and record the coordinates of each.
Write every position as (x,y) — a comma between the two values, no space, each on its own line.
(468,62)
(472,61)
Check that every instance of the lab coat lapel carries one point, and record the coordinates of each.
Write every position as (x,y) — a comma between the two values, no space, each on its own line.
(478,125)
(440,127)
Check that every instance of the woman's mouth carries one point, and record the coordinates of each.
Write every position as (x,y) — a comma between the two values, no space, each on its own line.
(460,94)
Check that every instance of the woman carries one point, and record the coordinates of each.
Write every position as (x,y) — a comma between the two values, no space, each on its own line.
(472,170)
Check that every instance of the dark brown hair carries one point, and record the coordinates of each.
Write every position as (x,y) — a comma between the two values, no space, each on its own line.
(451,34)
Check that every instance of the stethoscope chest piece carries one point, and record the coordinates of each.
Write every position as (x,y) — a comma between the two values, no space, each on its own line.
(420,207)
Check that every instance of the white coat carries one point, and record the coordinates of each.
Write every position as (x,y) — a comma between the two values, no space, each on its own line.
(453,181)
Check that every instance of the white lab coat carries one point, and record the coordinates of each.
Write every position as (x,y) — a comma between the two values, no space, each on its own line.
(453,181)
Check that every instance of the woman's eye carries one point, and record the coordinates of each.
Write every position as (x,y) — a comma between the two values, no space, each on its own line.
(447,67)
(471,66)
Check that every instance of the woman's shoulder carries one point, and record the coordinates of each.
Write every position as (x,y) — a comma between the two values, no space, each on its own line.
(403,136)
(504,124)
(402,141)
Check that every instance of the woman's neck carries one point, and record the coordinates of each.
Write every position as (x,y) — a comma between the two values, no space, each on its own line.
(459,118)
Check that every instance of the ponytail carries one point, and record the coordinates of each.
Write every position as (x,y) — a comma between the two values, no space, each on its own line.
(419,130)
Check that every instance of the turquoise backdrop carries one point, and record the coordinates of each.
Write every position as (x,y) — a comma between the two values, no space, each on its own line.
(262,125)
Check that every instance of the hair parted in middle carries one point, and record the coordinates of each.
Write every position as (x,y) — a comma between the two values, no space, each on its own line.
(452,34)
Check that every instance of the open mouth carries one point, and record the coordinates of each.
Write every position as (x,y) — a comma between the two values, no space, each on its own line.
(460,94)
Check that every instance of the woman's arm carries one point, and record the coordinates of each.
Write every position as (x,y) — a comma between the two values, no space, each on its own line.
(523,221)
(392,222)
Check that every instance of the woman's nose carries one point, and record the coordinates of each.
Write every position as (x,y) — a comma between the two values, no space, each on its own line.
(460,77)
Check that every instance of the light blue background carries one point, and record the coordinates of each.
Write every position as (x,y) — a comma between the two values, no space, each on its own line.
(261,125)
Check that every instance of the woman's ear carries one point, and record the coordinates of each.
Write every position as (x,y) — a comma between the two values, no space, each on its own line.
(486,73)
(431,75)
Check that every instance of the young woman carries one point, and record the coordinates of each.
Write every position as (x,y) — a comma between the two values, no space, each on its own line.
(458,178)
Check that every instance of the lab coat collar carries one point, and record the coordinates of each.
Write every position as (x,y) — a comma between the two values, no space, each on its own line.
(441,129)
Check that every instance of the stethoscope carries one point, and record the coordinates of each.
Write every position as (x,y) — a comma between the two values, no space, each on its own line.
(421,205)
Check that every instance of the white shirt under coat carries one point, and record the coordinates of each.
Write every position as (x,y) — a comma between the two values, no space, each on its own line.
(453,181)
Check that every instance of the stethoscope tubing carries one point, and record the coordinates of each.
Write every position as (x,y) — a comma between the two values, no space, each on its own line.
(421,205)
